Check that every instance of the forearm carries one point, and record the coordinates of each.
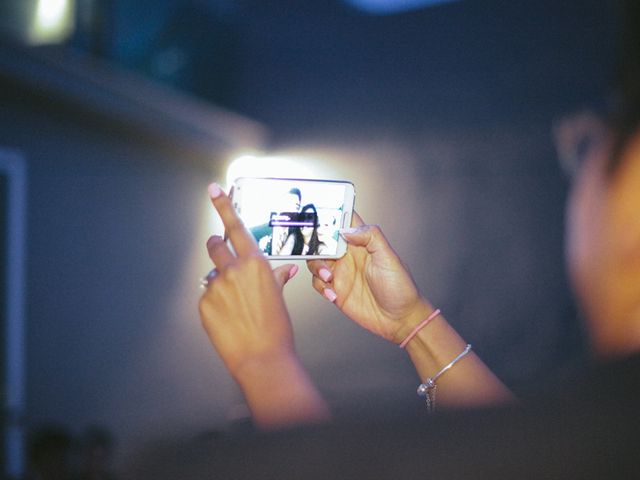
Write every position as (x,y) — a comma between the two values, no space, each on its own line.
(470,382)
(279,392)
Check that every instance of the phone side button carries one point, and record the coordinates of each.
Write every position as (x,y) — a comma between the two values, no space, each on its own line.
(345,218)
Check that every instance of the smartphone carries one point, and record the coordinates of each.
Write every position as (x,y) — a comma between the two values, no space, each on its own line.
(295,218)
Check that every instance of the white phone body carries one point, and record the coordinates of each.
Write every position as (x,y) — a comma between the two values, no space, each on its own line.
(295,218)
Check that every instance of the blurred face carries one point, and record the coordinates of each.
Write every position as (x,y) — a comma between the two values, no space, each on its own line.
(326,229)
(603,246)
(307,231)
(291,203)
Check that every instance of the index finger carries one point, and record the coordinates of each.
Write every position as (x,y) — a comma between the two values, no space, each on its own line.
(242,241)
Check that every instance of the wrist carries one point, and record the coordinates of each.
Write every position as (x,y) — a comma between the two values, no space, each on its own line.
(253,368)
(279,391)
(418,314)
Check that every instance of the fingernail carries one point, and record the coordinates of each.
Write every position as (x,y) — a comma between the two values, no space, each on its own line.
(330,295)
(214,190)
(324,274)
(346,231)
(213,239)
(293,271)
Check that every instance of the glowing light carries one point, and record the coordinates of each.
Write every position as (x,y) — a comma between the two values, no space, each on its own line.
(382,7)
(53,21)
(285,166)
(288,165)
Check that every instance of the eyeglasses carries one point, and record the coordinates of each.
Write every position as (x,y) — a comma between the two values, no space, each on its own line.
(576,137)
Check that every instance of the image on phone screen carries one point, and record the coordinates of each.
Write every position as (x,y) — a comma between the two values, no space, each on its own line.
(294,217)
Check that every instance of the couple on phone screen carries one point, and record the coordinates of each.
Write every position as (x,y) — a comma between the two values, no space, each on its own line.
(291,240)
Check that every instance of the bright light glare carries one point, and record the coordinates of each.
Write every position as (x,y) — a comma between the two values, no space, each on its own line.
(272,166)
(50,13)
(278,166)
(382,7)
(52,21)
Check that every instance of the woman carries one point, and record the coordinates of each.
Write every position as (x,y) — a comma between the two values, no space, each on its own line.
(371,286)
(304,240)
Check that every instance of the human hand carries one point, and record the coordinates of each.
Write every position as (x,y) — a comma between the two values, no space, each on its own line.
(370,284)
(243,313)
(242,310)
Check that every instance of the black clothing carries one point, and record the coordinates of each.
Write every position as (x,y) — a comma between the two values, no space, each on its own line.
(589,430)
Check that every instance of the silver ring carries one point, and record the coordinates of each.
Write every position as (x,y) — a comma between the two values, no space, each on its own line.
(204,281)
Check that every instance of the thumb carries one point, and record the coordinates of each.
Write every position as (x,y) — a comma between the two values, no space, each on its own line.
(368,236)
(284,273)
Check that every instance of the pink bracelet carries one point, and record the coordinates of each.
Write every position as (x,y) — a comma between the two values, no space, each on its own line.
(433,315)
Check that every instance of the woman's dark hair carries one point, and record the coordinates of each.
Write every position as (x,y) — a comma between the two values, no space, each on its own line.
(624,117)
(314,242)
(296,191)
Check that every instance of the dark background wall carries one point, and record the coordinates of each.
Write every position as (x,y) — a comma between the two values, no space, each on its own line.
(441,117)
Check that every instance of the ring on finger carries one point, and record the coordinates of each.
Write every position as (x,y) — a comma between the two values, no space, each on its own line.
(206,280)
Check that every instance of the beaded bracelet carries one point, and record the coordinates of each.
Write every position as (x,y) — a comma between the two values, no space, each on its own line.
(428,388)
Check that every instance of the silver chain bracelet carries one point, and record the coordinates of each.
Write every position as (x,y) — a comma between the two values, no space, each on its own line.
(428,388)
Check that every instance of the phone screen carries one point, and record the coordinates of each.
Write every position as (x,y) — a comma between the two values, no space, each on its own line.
(295,218)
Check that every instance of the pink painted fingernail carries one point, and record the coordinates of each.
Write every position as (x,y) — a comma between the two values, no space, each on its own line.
(213,239)
(324,274)
(214,190)
(330,295)
(293,271)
